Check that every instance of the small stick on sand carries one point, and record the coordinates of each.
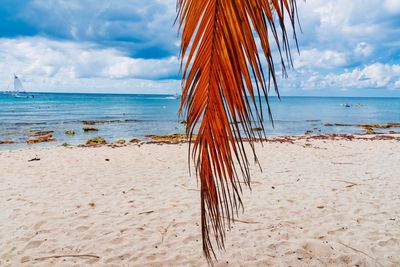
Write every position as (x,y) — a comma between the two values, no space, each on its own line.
(283,171)
(146,212)
(189,189)
(283,184)
(251,182)
(347,182)
(248,222)
(362,252)
(163,231)
(67,256)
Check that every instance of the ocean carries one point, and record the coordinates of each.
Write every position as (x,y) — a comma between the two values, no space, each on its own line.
(135,116)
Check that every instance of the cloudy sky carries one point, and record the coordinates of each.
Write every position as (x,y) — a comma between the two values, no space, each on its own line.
(348,47)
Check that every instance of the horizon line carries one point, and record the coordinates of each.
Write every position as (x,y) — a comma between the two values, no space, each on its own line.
(169,94)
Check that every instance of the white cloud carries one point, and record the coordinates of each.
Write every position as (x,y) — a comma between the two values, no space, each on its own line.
(69,63)
(313,58)
(342,24)
(373,76)
(393,6)
(342,44)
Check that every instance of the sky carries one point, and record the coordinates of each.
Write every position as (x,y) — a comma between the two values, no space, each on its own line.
(347,48)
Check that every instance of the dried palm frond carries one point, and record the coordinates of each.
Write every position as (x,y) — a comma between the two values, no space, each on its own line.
(221,67)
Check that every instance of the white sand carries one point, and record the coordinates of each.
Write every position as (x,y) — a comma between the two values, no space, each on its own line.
(331,203)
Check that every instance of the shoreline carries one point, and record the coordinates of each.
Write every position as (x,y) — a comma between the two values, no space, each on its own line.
(330,201)
(181,139)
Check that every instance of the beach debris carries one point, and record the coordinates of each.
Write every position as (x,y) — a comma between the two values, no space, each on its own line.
(321,207)
(350,184)
(247,222)
(309,132)
(6,142)
(34,159)
(92,204)
(146,212)
(283,139)
(135,141)
(98,140)
(107,159)
(163,231)
(67,256)
(184,187)
(285,171)
(90,129)
(120,142)
(69,132)
(170,138)
(362,252)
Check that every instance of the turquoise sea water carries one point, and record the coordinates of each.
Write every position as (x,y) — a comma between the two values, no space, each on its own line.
(134,116)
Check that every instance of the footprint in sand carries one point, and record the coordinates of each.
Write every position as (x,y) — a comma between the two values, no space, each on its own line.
(117,240)
(392,242)
(34,244)
(25,259)
(82,228)
(118,258)
(38,225)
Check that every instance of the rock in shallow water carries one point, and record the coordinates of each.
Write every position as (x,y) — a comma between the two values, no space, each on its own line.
(6,142)
(89,129)
(41,139)
(35,133)
(93,122)
(69,132)
(98,140)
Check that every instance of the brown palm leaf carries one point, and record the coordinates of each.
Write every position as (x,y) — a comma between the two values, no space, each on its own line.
(221,66)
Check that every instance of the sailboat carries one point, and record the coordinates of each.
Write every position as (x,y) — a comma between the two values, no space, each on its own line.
(19,91)
(175,96)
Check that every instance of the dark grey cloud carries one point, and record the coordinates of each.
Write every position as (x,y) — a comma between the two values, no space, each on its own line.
(135,26)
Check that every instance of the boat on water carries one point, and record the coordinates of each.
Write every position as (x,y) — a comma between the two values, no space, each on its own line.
(19,91)
(175,96)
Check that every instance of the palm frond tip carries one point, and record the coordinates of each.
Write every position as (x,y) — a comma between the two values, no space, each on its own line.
(220,67)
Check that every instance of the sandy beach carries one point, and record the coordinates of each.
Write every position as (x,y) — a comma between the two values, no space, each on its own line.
(316,203)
